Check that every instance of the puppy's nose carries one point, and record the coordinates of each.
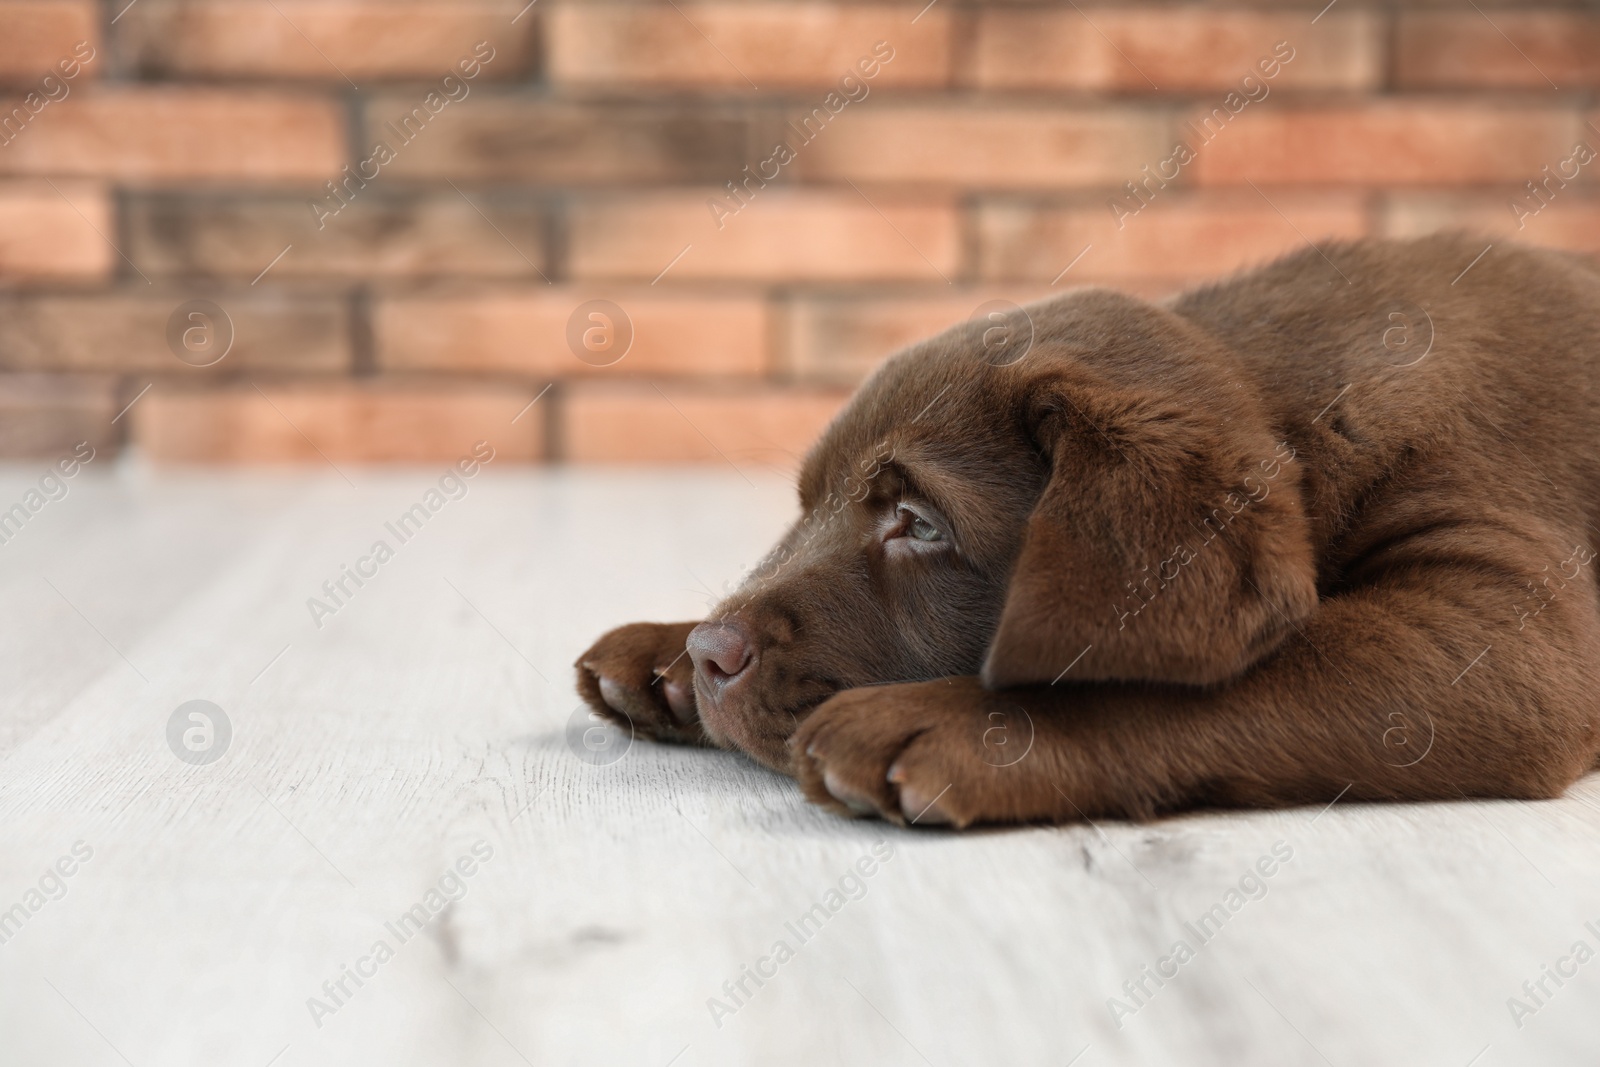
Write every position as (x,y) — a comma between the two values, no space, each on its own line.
(720,650)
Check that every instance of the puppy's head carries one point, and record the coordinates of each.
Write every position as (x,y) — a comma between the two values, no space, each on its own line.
(1114,505)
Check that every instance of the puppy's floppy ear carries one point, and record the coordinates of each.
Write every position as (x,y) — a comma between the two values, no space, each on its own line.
(1170,542)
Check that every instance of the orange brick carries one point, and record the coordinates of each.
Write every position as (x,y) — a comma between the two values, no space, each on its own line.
(47,234)
(751,428)
(1571,220)
(311,39)
(517,138)
(1518,50)
(996,148)
(46,416)
(781,235)
(1180,237)
(148,135)
(1174,48)
(127,331)
(737,45)
(525,332)
(384,231)
(841,339)
(338,423)
(1401,143)
(41,33)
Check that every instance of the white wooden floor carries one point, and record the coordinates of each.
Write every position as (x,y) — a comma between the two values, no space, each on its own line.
(430,713)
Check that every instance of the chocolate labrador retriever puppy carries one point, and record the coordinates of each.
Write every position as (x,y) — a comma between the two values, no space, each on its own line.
(1324,529)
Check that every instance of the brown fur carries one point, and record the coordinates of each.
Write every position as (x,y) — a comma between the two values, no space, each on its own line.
(1244,547)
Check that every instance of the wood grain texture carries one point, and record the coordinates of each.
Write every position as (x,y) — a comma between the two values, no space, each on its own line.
(430,712)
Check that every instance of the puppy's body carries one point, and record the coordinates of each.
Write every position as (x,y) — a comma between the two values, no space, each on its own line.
(1323,527)
(1510,382)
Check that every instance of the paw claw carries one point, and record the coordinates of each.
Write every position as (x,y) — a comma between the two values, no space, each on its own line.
(680,701)
(921,809)
(858,804)
(613,693)
(618,676)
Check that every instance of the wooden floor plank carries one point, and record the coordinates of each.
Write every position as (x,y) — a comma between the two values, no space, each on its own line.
(428,716)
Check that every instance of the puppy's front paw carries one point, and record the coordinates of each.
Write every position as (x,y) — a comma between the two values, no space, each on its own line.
(945,752)
(640,676)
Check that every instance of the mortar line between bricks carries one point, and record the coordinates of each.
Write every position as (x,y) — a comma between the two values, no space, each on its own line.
(363,347)
(96,229)
(132,402)
(553,435)
(553,230)
(1388,58)
(961,37)
(529,404)
(355,107)
(104,23)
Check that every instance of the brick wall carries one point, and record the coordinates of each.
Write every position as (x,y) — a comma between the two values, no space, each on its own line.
(164,198)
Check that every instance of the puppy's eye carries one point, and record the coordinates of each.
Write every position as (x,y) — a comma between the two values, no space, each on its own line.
(909,524)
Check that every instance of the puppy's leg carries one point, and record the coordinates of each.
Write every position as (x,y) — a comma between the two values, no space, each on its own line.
(641,676)
(1433,683)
